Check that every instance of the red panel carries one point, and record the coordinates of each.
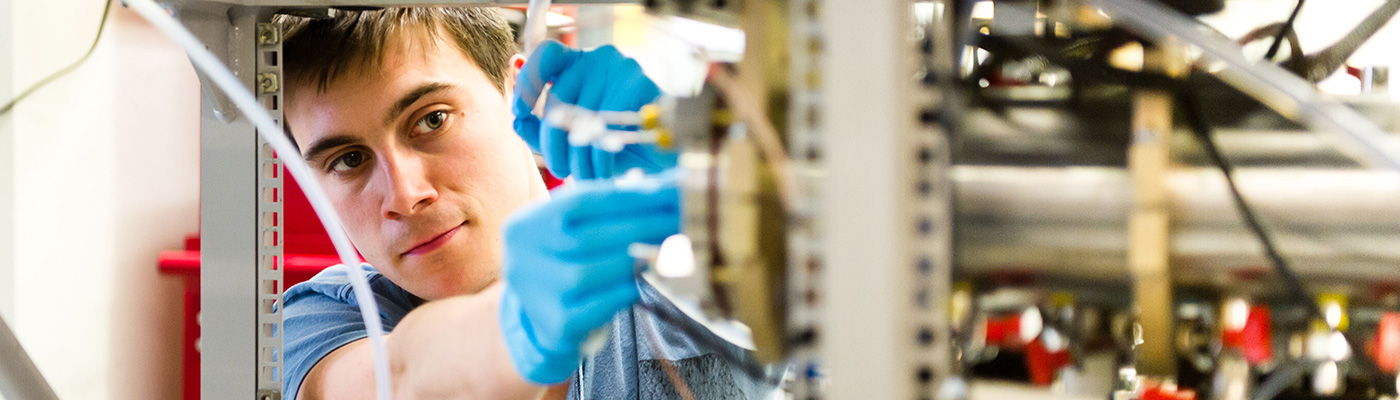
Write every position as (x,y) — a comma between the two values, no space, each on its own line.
(191,353)
(1043,363)
(1004,331)
(1255,339)
(296,268)
(1385,347)
(303,230)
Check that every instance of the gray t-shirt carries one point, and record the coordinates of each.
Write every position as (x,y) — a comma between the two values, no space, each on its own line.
(321,315)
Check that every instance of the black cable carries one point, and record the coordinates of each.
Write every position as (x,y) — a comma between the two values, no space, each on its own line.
(1282,31)
(1317,66)
(1202,130)
(1196,119)
(1295,50)
(101,26)
(1284,376)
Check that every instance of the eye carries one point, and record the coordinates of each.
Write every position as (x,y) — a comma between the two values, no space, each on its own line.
(431,122)
(348,161)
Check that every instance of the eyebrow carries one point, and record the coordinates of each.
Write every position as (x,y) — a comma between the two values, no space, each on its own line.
(413,96)
(323,145)
(326,144)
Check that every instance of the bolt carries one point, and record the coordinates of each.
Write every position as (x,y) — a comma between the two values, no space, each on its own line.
(267,83)
(268,35)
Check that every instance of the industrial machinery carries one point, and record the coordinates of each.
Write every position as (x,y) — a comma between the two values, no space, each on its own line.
(897,199)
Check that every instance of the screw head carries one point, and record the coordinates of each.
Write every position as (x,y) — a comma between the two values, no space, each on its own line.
(268,35)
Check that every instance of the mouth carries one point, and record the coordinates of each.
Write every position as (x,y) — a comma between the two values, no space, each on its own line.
(435,243)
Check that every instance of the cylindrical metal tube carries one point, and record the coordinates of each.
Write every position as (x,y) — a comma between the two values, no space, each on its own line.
(1072,222)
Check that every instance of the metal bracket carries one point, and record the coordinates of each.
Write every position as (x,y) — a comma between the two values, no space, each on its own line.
(270,261)
(805,258)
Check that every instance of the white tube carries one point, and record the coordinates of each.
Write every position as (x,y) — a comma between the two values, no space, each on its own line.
(535,28)
(1277,88)
(241,96)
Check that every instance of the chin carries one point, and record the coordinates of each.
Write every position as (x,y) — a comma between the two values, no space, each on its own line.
(447,272)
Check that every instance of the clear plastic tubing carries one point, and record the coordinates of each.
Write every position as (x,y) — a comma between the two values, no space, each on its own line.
(535,29)
(1280,90)
(241,96)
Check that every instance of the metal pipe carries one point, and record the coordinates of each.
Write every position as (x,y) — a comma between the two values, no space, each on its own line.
(1340,224)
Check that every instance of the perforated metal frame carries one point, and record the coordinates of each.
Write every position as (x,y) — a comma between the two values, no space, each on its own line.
(885,205)
(270,283)
(931,193)
(805,263)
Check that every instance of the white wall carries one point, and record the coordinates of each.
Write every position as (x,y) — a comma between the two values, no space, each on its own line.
(1319,25)
(7,169)
(105,176)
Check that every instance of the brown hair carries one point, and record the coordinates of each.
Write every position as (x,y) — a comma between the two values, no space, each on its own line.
(323,50)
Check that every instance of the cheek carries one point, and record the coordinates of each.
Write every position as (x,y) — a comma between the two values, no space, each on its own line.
(491,167)
(357,212)
(485,148)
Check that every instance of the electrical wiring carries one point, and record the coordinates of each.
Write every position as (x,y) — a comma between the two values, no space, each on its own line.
(1203,133)
(1270,31)
(764,133)
(1283,31)
(1317,66)
(273,134)
(1283,377)
(1295,288)
(101,27)
(1201,129)
(1277,88)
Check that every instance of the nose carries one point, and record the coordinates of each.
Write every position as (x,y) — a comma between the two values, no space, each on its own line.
(409,190)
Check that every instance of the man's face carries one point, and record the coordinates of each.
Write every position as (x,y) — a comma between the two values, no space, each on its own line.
(421,161)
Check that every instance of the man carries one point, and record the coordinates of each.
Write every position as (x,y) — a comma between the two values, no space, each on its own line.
(403,113)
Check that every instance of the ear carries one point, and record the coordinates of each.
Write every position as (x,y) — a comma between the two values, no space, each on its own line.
(516,62)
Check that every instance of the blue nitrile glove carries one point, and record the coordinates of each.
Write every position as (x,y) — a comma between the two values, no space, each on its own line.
(567,270)
(602,80)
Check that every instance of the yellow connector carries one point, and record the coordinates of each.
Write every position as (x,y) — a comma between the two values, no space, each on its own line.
(1061,299)
(664,139)
(651,116)
(1334,311)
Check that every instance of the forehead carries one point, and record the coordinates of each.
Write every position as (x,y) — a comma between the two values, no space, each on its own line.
(363,93)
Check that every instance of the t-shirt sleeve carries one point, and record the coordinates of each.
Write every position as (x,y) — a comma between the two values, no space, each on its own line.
(321,315)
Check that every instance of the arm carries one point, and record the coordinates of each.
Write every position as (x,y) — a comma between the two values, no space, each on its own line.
(446,348)
(566,272)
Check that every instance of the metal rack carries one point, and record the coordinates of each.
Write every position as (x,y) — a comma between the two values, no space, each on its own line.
(885,202)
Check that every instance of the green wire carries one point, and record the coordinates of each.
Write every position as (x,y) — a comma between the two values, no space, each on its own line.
(48,79)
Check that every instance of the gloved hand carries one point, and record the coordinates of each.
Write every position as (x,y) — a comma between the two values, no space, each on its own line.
(567,270)
(600,80)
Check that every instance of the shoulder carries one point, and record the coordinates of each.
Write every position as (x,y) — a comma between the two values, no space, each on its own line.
(332,285)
